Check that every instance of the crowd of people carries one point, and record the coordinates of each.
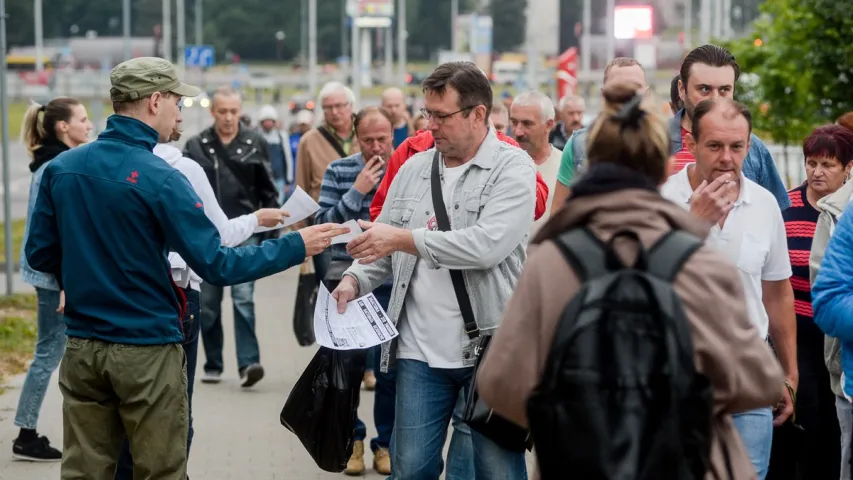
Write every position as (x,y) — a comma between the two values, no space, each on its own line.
(468,207)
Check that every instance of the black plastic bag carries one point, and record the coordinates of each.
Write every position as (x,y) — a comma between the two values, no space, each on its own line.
(303,309)
(322,407)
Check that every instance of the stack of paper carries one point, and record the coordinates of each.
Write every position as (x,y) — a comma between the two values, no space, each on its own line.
(364,324)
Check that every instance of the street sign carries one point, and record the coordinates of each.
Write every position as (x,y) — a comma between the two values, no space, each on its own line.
(199,56)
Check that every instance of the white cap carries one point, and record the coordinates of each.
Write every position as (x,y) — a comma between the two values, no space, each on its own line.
(267,112)
(305,116)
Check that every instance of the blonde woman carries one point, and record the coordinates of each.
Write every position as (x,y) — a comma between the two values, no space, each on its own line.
(48,130)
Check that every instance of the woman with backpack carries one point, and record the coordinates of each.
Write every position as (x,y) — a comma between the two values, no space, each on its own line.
(592,435)
(48,130)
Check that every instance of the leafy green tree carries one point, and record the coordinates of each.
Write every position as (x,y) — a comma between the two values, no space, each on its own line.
(798,66)
(510,21)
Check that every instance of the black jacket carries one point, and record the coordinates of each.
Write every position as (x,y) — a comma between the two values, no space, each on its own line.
(558,137)
(240,173)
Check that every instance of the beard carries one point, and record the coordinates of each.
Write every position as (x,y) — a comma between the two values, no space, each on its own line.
(689,108)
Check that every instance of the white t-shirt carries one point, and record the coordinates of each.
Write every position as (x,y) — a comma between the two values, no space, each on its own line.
(433,329)
(548,169)
(752,237)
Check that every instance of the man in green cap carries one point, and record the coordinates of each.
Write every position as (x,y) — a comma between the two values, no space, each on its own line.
(105,218)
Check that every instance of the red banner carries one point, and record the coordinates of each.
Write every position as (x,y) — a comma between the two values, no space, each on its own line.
(567,73)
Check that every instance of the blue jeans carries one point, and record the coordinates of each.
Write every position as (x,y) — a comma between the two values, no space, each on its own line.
(243,298)
(426,399)
(50,347)
(756,432)
(386,388)
(192,326)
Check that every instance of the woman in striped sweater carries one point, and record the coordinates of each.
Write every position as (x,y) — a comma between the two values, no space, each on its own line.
(814,452)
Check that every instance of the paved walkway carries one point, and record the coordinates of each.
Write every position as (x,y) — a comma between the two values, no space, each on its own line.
(237,432)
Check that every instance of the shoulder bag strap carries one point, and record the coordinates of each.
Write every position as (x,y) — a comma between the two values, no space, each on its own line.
(332,141)
(455,275)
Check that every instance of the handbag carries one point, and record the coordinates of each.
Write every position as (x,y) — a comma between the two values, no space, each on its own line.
(303,308)
(478,415)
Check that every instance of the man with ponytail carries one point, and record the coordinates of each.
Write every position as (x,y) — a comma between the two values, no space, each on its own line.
(105,218)
(48,130)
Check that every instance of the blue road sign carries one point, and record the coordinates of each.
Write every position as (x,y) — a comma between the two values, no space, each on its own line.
(199,56)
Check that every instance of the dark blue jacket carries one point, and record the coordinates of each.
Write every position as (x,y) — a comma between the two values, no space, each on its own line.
(107,214)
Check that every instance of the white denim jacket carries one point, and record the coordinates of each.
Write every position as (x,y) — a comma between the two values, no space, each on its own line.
(491,213)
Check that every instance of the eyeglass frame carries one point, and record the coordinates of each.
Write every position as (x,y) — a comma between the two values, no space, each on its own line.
(438,118)
(336,106)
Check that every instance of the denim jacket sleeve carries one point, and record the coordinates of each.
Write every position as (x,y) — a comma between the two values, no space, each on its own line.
(42,247)
(766,173)
(503,222)
(30,275)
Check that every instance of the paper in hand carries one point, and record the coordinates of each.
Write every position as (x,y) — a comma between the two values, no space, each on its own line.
(300,206)
(354,231)
(364,324)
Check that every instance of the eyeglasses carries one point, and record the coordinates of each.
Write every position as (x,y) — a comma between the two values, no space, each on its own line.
(336,106)
(439,118)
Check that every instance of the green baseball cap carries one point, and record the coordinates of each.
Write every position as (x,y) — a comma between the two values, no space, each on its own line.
(143,76)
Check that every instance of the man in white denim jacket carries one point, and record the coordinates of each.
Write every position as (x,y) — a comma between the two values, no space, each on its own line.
(488,189)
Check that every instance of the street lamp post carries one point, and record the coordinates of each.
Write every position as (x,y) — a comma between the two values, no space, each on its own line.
(279,37)
(4,136)
(180,18)
(198,25)
(39,32)
(167,30)
(312,47)
(401,42)
(125,14)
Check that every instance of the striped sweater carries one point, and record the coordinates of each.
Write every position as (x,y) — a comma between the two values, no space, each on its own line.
(800,221)
(341,202)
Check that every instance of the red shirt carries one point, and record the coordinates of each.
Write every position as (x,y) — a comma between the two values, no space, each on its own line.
(421,142)
(683,157)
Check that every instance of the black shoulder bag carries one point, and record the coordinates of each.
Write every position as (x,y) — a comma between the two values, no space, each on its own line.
(478,415)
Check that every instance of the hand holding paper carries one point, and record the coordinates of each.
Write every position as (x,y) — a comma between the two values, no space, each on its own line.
(354,231)
(363,323)
(299,206)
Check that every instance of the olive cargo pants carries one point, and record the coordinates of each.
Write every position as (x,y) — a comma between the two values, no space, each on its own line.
(109,389)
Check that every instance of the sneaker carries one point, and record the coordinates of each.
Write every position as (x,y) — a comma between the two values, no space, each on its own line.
(355,465)
(38,450)
(369,380)
(211,377)
(382,461)
(251,375)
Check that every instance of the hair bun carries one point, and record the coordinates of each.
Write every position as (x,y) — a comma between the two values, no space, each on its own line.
(631,112)
(42,108)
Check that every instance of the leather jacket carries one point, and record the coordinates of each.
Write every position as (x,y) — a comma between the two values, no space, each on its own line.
(240,172)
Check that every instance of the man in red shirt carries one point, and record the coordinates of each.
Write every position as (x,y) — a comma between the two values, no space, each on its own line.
(423,141)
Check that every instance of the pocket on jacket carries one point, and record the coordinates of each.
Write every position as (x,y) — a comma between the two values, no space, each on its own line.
(400,216)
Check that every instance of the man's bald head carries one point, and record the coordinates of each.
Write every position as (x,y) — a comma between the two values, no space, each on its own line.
(394,102)
(625,70)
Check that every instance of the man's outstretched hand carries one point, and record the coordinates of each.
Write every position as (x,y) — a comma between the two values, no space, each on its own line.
(318,237)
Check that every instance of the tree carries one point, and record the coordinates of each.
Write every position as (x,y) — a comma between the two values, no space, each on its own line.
(799,67)
(509,24)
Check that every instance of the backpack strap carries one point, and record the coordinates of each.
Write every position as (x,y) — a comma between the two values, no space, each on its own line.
(670,252)
(584,252)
